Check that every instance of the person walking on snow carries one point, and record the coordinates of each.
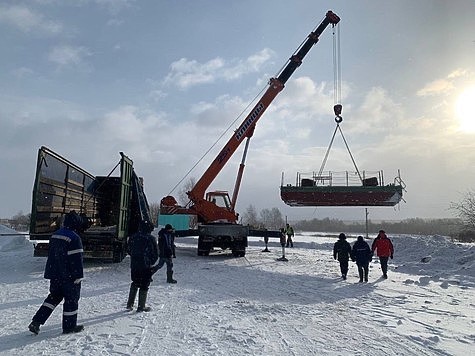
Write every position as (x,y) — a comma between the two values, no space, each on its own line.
(282,243)
(342,252)
(289,230)
(143,251)
(385,250)
(64,269)
(362,255)
(165,246)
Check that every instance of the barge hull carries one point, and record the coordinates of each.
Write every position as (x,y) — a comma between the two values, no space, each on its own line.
(341,196)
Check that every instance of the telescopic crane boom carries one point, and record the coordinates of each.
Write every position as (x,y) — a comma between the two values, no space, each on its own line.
(204,204)
(246,130)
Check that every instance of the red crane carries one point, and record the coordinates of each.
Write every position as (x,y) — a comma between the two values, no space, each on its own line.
(217,207)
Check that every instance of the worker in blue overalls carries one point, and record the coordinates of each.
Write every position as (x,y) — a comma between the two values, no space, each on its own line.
(64,269)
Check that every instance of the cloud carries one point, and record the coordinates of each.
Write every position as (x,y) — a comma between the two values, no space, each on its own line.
(22,72)
(187,73)
(219,113)
(457,73)
(157,95)
(68,55)
(28,21)
(115,6)
(251,65)
(444,85)
(378,113)
(436,87)
(131,124)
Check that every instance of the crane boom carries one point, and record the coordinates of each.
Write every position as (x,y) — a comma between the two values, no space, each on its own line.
(217,222)
(246,128)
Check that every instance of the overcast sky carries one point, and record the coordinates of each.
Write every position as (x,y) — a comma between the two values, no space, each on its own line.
(163,80)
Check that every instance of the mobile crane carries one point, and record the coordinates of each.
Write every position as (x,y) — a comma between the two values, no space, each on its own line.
(215,211)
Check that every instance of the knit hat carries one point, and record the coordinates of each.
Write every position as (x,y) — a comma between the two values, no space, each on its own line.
(145,226)
(342,236)
(73,221)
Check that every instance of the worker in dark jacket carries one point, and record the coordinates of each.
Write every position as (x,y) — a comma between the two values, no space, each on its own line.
(385,250)
(342,252)
(362,255)
(143,251)
(166,251)
(64,269)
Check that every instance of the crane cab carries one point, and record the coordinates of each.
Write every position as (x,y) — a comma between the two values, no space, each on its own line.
(220,198)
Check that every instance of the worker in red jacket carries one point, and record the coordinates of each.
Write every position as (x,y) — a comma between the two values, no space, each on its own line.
(385,250)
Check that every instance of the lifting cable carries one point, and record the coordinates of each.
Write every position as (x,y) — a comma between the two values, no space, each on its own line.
(337,108)
(217,140)
(240,115)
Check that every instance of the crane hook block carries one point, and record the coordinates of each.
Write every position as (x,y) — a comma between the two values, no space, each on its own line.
(337,110)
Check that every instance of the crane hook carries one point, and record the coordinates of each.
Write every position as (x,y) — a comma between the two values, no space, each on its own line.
(337,110)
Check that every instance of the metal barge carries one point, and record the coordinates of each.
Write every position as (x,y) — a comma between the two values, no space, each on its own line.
(342,189)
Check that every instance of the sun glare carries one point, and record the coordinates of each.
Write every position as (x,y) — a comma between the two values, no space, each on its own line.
(465,109)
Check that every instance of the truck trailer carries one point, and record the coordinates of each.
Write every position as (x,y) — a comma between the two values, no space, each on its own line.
(113,206)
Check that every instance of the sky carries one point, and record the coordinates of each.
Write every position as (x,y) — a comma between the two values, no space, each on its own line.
(163,81)
(254,305)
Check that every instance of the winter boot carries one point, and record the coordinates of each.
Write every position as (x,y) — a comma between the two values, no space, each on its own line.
(76,329)
(366,275)
(360,272)
(170,278)
(34,327)
(132,295)
(142,301)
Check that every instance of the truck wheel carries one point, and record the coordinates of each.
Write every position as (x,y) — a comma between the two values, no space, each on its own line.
(118,254)
(117,257)
(239,253)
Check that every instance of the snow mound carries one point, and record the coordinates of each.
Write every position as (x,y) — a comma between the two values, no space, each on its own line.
(433,255)
(12,240)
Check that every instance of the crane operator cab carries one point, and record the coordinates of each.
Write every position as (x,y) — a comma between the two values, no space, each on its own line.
(219,198)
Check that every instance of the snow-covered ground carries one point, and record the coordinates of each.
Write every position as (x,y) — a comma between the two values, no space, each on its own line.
(255,305)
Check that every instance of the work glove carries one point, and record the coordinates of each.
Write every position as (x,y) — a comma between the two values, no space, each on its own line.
(153,269)
(78,281)
(391,256)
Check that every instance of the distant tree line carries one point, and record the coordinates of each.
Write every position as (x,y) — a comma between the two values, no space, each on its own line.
(465,211)
(266,218)
(456,228)
(273,219)
(19,221)
(416,226)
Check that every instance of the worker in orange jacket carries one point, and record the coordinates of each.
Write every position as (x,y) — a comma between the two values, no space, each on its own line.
(384,249)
